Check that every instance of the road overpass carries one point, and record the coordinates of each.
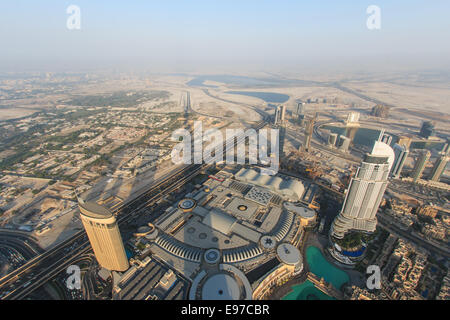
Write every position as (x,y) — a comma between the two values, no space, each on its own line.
(42,268)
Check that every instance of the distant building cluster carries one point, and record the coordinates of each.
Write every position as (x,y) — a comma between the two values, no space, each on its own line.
(411,265)
(401,215)
(444,292)
(125,134)
(437,230)
(380,111)
(357,293)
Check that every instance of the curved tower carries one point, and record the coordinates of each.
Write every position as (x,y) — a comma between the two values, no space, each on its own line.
(104,236)
(365,193)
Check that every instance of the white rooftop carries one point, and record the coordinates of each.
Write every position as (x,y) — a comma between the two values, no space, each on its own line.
(288,254)
(221,287)
(302,211)
(290,188)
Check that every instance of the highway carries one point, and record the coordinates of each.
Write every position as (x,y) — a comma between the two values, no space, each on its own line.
(42,268)
(337,85)
(263,114)
(29,271)
(47,273)
(20,241)
(407,234)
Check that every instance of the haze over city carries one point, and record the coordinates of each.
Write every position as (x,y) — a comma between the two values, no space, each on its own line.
(175,36)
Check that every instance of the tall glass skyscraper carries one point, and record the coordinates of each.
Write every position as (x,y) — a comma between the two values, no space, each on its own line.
(439,167)
(365,193)
(401,153)
(421,162)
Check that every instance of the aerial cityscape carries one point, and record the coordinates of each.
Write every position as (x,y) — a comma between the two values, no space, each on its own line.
(184,175)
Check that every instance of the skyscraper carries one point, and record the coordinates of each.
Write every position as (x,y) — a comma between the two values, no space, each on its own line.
(353,117)
(301,113)
(277,115)
(401,153)
(309,131)
(343,143)
(301,109)
(104,236)
(387,138)
(404,141)
(439,167)
(365,193)
(332,139)
(308,135)
(283,113)
(420,164)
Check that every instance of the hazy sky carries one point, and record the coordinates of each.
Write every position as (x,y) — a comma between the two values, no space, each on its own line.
(189,34)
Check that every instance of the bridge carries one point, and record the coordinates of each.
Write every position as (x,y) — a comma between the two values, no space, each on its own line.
(325,287)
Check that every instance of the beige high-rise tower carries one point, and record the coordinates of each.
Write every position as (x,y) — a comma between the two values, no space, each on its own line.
(104,236)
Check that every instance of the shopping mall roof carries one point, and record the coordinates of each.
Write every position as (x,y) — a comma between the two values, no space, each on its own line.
(221,286)
(302,211)
(219,221)
(290,188)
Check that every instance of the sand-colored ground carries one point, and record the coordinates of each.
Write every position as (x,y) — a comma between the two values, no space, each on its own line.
(62,228)
(417,97)
(14,113)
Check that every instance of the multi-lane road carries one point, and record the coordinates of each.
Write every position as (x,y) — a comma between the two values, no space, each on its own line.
(384,222)
(20,241)
(12,283)
(45,266)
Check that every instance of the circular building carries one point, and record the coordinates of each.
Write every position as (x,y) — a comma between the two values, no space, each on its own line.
(290,255)
(221,286)
(307,216)
(149,232)
(142,231)
(291,265)
(268,242)
(228,283)
(212,256)
(187,204)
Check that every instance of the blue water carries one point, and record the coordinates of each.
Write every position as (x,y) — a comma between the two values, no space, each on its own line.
(306,291)
(230,79)
(323,269)
(319,266)
(270,97)
(357,253)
